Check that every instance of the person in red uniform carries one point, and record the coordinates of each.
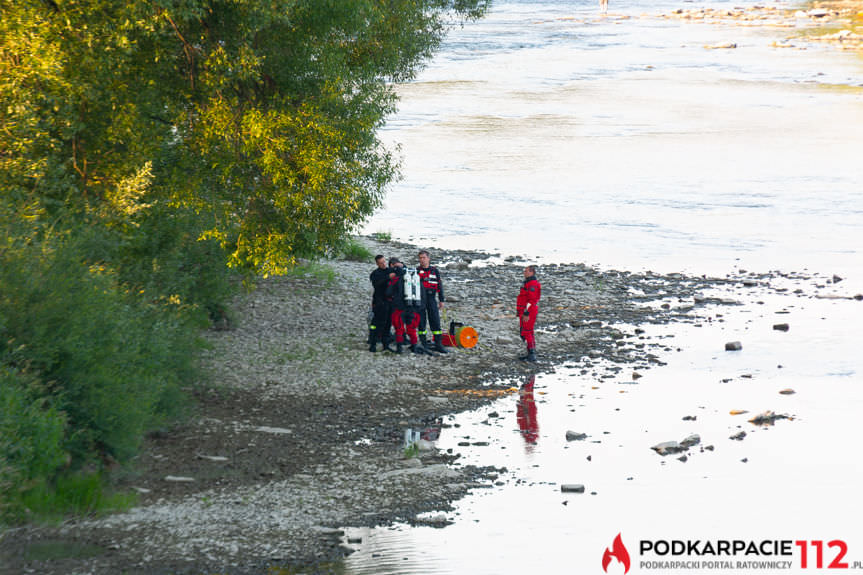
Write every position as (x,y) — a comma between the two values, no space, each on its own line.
(405,316)
(432,286)
(527,307)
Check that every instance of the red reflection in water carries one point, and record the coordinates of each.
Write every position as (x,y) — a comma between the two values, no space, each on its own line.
(525,412)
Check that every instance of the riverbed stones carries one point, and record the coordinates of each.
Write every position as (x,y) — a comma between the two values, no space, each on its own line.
(691,440)
(575,436)
(767,418)
(572,488)
(671,447)
(668,447)
(331,394)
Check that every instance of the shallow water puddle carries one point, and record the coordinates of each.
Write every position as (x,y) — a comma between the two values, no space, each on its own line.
(796,479)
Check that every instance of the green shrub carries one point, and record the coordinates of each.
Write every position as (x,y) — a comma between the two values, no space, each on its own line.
(354,251)
(81,493)
(109,362)
(31,440)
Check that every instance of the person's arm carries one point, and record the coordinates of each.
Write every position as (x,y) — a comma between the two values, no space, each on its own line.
(440,288)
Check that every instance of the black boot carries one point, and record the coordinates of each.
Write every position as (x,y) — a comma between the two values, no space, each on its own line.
(386,344)
(419,349)
(423,340)
(438,344)
(373,346)
(399,347)
(531,355)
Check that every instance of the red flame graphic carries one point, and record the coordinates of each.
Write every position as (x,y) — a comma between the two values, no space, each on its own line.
(619,552)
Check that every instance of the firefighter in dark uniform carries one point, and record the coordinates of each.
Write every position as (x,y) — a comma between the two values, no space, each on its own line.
(527,307)
(434,301)
(379,330)
(405,315)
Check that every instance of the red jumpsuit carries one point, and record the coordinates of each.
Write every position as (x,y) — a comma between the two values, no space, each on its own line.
(404,317)
(529,294)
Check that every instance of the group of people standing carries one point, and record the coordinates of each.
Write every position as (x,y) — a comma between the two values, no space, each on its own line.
(410,301)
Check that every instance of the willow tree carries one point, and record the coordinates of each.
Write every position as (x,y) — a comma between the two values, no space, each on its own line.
(260,115)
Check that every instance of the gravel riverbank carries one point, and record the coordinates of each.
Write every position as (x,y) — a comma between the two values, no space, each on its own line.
(299,431)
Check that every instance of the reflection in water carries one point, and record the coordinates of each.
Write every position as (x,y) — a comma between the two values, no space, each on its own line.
(525,412)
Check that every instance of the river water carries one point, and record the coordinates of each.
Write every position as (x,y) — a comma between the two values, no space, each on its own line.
(548,131)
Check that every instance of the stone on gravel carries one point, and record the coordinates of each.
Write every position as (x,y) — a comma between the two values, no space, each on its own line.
(738,436)
(733,346)
(275,430)
(409,379)
(213,457)
(691,440)
(767,418)
(668,447)
(178,479)
(781,326)
(575,436)
(572,488)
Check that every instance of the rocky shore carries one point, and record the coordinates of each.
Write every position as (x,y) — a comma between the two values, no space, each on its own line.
(838,23)
(299,430)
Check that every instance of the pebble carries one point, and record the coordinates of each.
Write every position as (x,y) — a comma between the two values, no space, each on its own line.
(668,447)
(572,488)
(733,346)
(575,436)
(781,326)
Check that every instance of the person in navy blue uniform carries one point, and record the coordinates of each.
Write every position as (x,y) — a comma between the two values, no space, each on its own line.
(379,329)
(432,287)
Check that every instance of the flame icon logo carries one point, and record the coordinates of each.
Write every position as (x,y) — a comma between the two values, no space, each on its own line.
(619,552)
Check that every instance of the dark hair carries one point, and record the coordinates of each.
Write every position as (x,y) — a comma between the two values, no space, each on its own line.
(424,252)
(393,260)
(532,269)
(379,257)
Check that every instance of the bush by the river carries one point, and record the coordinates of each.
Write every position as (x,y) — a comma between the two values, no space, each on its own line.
(89,363)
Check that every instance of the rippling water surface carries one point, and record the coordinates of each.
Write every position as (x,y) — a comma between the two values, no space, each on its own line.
(547,131)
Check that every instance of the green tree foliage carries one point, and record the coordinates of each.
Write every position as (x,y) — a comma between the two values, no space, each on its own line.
(262,114)
(147,147)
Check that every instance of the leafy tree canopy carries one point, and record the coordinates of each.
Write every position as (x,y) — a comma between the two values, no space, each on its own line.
(259,115)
